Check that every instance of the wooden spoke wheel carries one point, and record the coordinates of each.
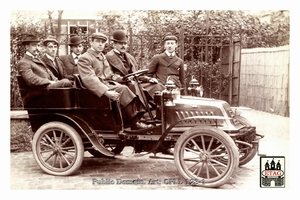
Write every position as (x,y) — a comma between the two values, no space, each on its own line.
(196,159)
(58,148)
(246,153)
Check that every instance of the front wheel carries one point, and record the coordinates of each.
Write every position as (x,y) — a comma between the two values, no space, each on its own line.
(196,158)
(58,149)
(246,153)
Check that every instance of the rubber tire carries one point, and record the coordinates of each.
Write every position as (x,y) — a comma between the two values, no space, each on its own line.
(252,152)
(75,138)
(222,137)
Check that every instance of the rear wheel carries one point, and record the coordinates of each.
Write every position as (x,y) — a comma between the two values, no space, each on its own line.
(196,159)
(57,148)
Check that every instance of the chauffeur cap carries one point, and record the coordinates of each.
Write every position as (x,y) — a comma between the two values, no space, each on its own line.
(170,37)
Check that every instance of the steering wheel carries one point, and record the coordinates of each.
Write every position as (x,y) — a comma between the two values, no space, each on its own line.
(136,73)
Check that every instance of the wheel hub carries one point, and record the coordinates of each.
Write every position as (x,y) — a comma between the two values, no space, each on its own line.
(204,156)
(57,149)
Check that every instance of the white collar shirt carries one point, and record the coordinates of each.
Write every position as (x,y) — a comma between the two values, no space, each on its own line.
(170,54)
(75,57)
(30,54)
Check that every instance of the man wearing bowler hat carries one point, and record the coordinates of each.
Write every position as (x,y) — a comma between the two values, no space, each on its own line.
(122,62)
(95,73)
(51,59)
(34,71)
(70,61)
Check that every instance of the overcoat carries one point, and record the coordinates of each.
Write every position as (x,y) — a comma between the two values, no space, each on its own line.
(34,72)
(69,65)
(96,73)
(57,69)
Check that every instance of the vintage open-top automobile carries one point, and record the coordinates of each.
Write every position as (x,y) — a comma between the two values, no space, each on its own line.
(209,138)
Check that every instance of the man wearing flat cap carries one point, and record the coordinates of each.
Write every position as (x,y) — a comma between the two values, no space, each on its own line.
(95,73)
(70,61)
(34,71)
(51,59)
(163,67)
(122,62)
(166,66)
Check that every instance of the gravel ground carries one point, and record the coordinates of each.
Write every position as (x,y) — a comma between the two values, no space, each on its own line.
(276,142)
(268,122)
(276,130)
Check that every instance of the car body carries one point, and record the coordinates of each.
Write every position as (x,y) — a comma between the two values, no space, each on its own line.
(209,139)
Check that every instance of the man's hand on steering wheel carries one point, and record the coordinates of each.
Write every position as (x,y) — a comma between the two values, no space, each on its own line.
(153,80)
(130,77)
(117,78)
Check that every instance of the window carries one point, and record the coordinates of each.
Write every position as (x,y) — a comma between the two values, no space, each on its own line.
(78,30)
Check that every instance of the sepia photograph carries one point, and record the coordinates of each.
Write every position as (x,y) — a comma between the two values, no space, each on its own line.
(132,99)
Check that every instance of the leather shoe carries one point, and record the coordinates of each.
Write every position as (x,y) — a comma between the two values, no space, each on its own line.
(167,151)
(140,125)
(137,115)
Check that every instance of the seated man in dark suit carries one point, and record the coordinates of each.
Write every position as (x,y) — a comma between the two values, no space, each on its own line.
(51,59)
(70,61)
(34,72)
(165,66)
(122,63)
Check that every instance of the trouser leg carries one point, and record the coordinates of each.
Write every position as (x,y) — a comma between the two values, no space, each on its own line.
(133,112)
(60,84)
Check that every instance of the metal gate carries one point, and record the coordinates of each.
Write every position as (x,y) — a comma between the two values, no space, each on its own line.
(213,60)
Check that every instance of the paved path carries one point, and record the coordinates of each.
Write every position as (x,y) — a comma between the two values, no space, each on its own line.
(112,173)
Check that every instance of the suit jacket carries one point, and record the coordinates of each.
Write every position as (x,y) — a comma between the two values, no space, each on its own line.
(161,66)
(96,73)
(119,68)
(34,72)
(117,64)
(69,66)
(57,70)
